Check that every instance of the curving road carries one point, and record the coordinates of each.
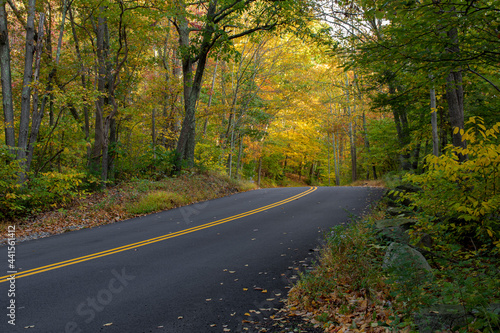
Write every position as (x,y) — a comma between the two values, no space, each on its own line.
(207,267)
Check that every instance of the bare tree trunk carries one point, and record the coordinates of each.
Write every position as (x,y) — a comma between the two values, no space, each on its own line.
(36,119)
(26,91)
(86,126)
(455,95)
(240,152)
(336,159)
(8,108)
(435,138)
(230,156)
(260,171)
(153,132)
(99,149)
(455,98)
(205,125)
(402,129)
(328,152)
(352,134)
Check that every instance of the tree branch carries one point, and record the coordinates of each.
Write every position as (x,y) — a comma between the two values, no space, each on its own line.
(17,13)
(482,77)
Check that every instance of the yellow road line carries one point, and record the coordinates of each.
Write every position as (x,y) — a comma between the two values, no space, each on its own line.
(153,240)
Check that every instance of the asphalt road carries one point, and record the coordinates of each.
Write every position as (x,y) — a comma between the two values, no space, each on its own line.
(201,268)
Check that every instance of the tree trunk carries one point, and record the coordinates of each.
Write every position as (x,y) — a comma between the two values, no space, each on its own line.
(99,149)
(336,159)
(318,170)
(455,98)
(8,108)
(153,132)
(260,171)
(192,87)
(86,126)
(113,140)
(230,155)
(352,134)
(435,138)
(205,125)
(402,129)
(240,152)
(328,157)
(311,171)
(455,95)
(22,142)
(36,119)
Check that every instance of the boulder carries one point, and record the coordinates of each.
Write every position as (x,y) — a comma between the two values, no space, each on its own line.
(397,211)
(401,222)
(401,258)
(395,229)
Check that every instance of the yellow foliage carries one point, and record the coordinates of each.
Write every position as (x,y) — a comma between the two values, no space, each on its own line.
(468,190)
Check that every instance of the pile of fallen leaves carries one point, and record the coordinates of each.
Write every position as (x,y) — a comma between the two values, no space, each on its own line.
(110,205)
(344,311)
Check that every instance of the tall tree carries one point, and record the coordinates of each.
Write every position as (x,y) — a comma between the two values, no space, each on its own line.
(214,24)
(6,77)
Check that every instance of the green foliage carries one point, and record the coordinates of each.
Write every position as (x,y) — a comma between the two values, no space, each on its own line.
(11,198)
(157,201)
(465,194)
(51,189)
(45,191)
(271,164)
(208,157)
(384,146)
(469,286)
(152,163)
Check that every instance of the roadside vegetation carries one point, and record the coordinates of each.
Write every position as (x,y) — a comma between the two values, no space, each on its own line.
(450,215)
(81,209)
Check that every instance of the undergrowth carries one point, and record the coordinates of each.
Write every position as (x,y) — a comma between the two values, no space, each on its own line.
(129,199)
(349,288)
(453,206)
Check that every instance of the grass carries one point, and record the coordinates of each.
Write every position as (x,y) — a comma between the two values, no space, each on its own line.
(157,201)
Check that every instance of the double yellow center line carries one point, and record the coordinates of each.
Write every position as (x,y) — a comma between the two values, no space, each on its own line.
(153,240)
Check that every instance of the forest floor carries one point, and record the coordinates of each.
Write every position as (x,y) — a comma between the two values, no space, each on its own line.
(124,201)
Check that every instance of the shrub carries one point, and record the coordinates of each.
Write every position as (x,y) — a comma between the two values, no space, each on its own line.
(465,195)
(51,189)
(11,200)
